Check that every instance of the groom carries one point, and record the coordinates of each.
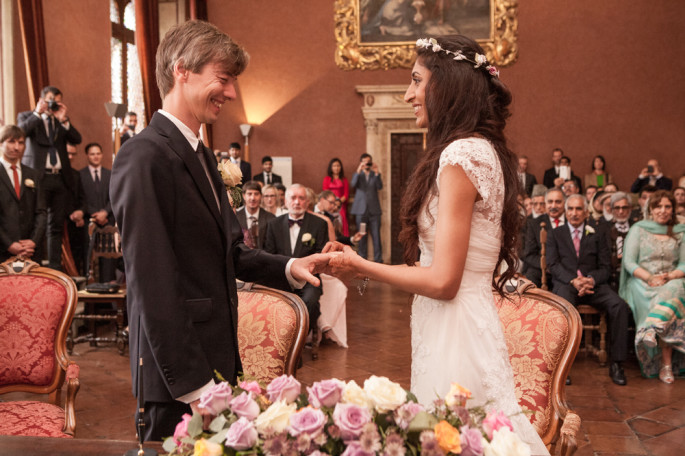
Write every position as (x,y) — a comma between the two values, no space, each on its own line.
(183,246)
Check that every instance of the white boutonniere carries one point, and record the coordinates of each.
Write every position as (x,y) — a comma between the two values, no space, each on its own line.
(589,230)
(307,239)
(29,183)
(232,177)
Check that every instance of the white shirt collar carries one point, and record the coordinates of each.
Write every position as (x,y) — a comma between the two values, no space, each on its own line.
(95,168)
(581,228)
(248,215)
(192,138)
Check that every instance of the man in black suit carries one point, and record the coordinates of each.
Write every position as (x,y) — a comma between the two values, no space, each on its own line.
(617,230)
(48,130)
(366,207)
(552,174)
(651,175)
(128,129)
(554,216)
(580,261)
(528,181)
(22,209)
(298,234)
(183,246)
(77,227)
(235,154)
(267,177)
(251,217)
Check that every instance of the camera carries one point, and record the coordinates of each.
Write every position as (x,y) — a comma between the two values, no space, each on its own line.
(650,169)
(368,165)
(53,105)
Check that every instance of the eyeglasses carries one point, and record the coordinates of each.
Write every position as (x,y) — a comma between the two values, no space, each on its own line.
(269,196)
(331,201)
(622,208)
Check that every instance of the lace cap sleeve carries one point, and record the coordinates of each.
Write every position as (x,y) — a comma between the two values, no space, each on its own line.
(479,161)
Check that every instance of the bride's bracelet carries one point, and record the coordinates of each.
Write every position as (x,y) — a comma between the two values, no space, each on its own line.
(361,288)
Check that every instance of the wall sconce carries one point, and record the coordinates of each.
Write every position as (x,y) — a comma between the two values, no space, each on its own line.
(245,129)
(117,111)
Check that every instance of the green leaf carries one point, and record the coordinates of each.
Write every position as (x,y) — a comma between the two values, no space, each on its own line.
(169,445)
(219,437)
(218,423)
(422,421)
(195,425)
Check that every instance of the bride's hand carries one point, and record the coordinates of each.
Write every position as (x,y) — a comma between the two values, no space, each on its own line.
(345,265)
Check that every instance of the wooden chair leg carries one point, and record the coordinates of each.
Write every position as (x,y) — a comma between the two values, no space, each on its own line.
(602,340)
(316,340)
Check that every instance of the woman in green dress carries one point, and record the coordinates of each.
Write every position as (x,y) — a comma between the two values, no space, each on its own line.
(653,284)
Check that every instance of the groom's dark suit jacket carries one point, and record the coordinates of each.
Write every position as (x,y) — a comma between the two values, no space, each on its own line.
(182,257)
(20,218)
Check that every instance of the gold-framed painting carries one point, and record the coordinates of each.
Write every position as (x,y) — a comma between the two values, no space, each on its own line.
(381,34)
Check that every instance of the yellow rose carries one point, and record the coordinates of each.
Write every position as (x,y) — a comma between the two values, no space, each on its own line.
(458,395)
(448,437)
(206,448)
(276,418)
(230,173)
(385,395)
(354,394)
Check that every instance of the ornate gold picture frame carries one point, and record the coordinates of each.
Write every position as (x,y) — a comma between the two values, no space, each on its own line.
(381,34)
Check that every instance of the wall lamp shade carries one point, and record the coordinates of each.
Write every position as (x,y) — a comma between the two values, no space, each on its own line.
(116,109)
(245,129)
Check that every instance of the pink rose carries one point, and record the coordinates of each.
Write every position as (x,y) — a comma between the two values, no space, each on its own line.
(217,399)
(471,442)
(405,413)
(353,448)
(182,429)
(242,435)
(495,421)
(252,386)
(318,453)
(350,419)
(283,387)
(244,406)
(307,420)
(325,393)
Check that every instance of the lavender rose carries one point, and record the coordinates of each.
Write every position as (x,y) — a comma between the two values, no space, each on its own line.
(471,442)
(406,412)
(350,419)
(244,406)
(307,420)
(283,387)
(355,449)
(217,399)
(325,393)
(241,435)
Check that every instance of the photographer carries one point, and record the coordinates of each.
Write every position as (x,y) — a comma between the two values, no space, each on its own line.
(366,207)
(48,130)
(651,175)
(128,128)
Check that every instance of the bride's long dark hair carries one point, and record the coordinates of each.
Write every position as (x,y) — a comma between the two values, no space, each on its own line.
(462,102)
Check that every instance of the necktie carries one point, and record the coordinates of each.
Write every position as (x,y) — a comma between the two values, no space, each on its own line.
(292,222)
(254,231)
(17,185)
(268,178)
(97,178)
(201,156)
(576,241)
(51,134)
(97,185)
(556,223)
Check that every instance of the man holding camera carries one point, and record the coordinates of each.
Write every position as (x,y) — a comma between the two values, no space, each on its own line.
(651,175)
(47,131)
(366,207)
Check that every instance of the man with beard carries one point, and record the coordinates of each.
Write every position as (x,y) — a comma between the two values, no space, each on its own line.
(616,233)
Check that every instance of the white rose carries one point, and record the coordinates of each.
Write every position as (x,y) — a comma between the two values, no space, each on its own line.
(230,173)
(275,419)
(506,443)
(354,394)
(385,395)
(306,237)
(29,183)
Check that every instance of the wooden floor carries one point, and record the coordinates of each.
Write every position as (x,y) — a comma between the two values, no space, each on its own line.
(645,417)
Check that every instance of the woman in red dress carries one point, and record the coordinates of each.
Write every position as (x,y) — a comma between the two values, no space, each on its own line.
(336,182)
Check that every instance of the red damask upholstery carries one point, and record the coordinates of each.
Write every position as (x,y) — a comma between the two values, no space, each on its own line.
(543,334)
(272,327)
(36,309)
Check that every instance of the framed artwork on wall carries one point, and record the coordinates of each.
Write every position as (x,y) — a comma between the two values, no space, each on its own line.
(381,34)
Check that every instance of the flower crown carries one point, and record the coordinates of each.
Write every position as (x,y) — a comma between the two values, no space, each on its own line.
(479,60)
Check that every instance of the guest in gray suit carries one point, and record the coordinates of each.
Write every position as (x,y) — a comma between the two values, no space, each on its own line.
(366,207)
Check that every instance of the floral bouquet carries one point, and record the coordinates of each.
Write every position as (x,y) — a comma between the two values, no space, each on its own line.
(232,177)
(337,418)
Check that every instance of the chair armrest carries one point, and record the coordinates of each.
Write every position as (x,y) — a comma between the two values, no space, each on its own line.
(73,386)
(567,444)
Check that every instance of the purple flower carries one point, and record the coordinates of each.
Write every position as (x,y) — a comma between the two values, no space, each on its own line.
(252,386)
(394,445)
(244,406)
(283,387)
(217,398)
(471,442)
(406,412)
(307,420)
(354,449)
(182,429)
(325,393)
(370,439)
(429,444)
(241,435)
(350,419)
(277,445)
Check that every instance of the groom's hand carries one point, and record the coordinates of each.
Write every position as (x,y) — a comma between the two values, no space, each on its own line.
(207,417)
(305,268)
(333,246)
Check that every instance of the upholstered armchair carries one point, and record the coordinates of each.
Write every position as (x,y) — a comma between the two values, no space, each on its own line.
(272,327)
(36,309)
(543,333)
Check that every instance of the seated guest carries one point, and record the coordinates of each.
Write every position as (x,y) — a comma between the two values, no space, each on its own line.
(251,218)
(651,175)
(580,261)
(554,206)
(596,209)
(590,191)
(538,201)
(653,283)
(315,201)
(617,231)
(280,188)
(643,197)
(268,177)
(570,188)
(22,207)
(610,188)
(679,197)
(528,205)
(270,201)
(598,176)
(298,234)
(528,181)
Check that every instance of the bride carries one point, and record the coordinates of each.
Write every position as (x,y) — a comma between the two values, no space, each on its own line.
(460,212)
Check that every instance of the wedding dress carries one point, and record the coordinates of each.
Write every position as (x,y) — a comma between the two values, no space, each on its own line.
(461,340)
